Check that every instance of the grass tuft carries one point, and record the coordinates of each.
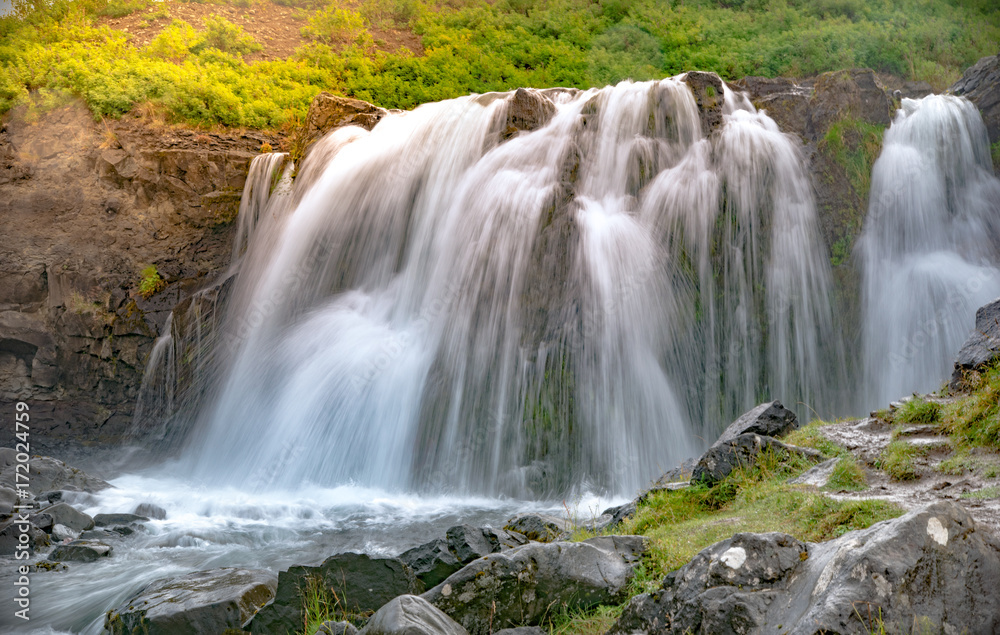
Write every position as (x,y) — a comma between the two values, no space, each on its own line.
(898,460)
(847,475)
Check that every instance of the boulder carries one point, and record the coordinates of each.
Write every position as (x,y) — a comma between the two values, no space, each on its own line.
(521,586)
(612,517)
(980,84)
(48,474)
(983,346)
(328,112)
(431,562)
(721,459)
(109,520)
(10,535)
(63,514)
(149,510)
(8,499)
(80,551)
(768,419)
(902,571)
(62,533)
(411,615)
(202,602)
(362,583)
(540,527)
(527,109)
(468,542)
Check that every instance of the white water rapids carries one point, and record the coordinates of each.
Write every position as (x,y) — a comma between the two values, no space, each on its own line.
(436,323)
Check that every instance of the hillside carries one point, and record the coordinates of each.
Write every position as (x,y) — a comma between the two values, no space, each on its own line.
(257,63)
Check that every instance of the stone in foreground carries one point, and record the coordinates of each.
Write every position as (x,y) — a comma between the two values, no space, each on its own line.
(983,346)
(48,474)
(80,551)
(411,615)
(521,586)
(930,569)
(362,583)
(768,419)
(540,527)
(201,602)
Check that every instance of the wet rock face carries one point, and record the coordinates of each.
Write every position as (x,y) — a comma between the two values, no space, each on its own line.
(81,551)
(980,84)
(85,207)
(856,93)
(771,419)
(983,346)
(363,583)
(904,570)
(527,109)
(519,587)
(202,602)
(710,97)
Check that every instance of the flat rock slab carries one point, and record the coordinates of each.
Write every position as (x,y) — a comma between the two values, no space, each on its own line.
(521,586)
(818,475)
(903,570)
(202,602)
(80,551)
(108,520)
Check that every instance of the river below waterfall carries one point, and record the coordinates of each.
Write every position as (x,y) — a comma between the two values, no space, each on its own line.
(207,528)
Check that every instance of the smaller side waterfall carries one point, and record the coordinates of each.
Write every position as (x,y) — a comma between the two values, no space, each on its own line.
(183,358)
(930,247)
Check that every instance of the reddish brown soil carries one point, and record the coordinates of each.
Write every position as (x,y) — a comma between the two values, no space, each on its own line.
(277,28)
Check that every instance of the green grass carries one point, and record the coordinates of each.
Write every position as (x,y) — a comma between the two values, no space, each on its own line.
(957,464)
(150,282)
(898,460)
(847,475)
(681,523)
(993,491)
(974,419)
(479,46)
(995,153)
(918,411)
(809,436)
(855,145)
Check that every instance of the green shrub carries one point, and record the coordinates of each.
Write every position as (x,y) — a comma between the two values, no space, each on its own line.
(150,282)
(847,475)
(223,35)
(174,42)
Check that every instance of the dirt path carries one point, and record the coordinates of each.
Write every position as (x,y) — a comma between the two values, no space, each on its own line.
(970,478)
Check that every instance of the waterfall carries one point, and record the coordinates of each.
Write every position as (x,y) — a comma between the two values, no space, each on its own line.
(930,247)
(440,305)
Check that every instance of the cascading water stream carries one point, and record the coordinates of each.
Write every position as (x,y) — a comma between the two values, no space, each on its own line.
(581,306)
(930,249)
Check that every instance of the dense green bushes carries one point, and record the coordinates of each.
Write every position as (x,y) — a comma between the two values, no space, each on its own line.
(200,77)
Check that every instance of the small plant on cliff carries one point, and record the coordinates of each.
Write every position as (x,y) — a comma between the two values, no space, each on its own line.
(150,282)
(265,148)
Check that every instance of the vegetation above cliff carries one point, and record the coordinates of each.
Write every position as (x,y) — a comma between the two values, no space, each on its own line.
(399,53)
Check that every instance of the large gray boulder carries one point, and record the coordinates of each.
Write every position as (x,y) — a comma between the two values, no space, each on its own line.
(65,515)
(927,571)
(362,583)
(431,562)
(203,602)
(10,537)
(769,419)
(722,458)
(983,346)
(434,561)
(411,615)
(47,473)
(80,551)
(520,586)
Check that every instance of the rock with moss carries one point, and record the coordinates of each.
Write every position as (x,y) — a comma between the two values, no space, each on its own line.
(540,527)
(362,583)
(897,576)
(983,345)
(202,602)
(723,458)
(521,586)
